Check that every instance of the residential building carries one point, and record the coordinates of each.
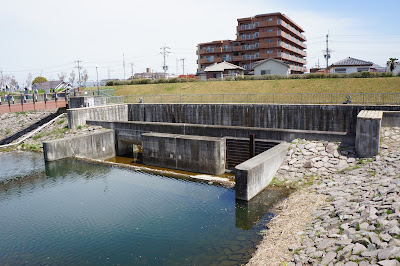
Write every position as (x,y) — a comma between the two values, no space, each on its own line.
(271,66)
(48,86)
(264,36)
(351,65)
(396,66)
(221,71)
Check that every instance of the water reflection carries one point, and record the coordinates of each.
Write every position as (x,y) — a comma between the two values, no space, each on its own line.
(249,213)
(73,212)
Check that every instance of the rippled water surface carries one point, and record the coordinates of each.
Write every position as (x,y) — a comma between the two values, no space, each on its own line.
(72,212)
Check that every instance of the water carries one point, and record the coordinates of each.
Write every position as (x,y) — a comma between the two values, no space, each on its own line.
(72,212)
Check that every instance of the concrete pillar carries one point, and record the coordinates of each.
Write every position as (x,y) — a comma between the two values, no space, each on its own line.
(368,133)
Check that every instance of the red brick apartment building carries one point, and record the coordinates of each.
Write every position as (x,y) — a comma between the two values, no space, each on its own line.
(272,35)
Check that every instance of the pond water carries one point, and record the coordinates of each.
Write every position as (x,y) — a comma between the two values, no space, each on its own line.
(73,212)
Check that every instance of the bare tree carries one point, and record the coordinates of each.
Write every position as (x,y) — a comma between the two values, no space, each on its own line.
(72,77)
(85,77)
(62,76)
(29,80)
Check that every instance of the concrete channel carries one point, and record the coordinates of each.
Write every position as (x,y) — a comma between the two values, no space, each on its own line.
(203,137)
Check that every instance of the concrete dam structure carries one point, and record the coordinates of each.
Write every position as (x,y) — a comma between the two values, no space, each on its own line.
(204,137)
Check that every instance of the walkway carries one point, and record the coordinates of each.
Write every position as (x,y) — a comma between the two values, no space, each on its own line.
(20,103)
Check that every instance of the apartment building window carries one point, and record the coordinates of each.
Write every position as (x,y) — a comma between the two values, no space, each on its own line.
(226,48)
(210,58)
(255,24)
(270,51)
(269,40)
(340,70)
(269,30)
(255,35)
(210,50)
(279,21)
(256,45)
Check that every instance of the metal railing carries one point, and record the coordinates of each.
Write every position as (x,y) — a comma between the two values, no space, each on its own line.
(23,98)
(270,98)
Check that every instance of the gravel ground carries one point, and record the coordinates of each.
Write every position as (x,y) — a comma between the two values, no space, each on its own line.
(357,220)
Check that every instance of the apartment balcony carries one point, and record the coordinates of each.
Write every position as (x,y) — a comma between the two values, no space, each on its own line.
(245,28)
(301,44)
(291,49)
(298,68)
(286,28)
(270,34)
(204,61)
(263,24)
(266,45)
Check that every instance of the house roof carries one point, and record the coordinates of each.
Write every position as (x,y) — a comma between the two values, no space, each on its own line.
(352,62)
(220,67)
(270,59)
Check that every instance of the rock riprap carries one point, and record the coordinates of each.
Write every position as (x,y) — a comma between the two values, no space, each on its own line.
(359,224)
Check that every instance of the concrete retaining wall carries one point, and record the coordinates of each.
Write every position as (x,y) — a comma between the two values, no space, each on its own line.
(368,133)
(86,101)
(77,117)
(255,174)
(391,119)
(132,131)
(98,145)
(340,118)
(183,152)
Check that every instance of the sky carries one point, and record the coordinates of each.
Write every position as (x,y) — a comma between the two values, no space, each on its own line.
(47,37)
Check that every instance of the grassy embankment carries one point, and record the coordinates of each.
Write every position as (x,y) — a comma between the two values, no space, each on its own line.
(333,85)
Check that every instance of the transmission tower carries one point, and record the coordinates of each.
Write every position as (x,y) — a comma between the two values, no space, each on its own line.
(183,66)
(164,52)
(79,67)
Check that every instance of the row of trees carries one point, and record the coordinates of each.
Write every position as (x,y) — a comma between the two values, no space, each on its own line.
(61,76)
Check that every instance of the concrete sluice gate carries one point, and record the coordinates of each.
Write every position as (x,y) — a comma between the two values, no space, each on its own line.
(210,138)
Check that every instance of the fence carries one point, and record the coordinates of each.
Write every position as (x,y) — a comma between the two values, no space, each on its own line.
(270,98)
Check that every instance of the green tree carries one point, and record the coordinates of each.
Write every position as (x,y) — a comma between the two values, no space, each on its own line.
(39,79)
(390,63)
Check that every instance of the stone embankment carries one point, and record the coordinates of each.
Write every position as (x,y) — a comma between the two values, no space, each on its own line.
(14,122)
(357,222)
(11,123)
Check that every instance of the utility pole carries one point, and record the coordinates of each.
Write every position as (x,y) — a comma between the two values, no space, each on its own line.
(79,67)
(2,79)
(165,52)
(327,53)
(123,62)
(132,69)
(183,66)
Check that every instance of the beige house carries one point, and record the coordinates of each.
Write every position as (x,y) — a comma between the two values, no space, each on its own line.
(271,66)
(222,71)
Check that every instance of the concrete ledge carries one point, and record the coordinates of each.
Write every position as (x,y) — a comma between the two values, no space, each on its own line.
(131,131)
(391,119)
(368,133)
(98,145)
(184,152)
(77,117)
(87,101)
(255,174)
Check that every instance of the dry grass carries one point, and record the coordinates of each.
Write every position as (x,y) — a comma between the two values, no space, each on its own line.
(342,85)
(294,214)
